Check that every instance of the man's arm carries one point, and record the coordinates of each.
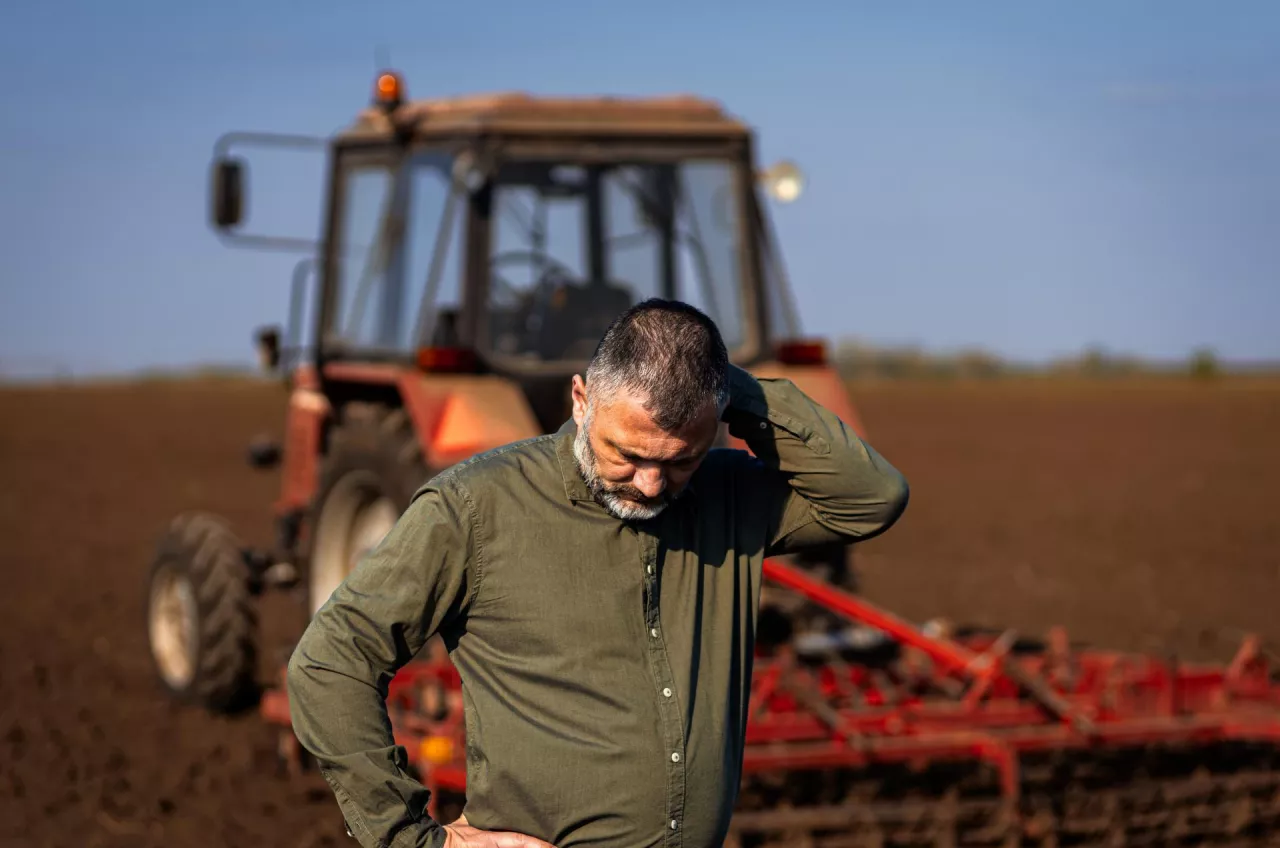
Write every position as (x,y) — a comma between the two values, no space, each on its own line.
(419,579)
(824,483)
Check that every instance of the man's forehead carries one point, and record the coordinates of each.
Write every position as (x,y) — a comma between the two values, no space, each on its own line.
(628,426)
(625,408)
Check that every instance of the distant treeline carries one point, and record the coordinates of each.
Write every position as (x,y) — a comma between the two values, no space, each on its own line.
(854,359)
(858,360)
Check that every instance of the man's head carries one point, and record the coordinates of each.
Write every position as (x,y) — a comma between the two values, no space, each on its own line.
(650,406)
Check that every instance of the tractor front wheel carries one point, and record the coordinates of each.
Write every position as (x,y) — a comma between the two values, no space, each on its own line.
(200,618)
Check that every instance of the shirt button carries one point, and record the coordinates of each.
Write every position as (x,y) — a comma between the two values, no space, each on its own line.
(649,568)
(654,633)
(667,692)
(675,758)
(673,824)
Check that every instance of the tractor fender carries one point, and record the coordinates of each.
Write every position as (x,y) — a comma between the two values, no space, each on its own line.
(457,417)
(454,415)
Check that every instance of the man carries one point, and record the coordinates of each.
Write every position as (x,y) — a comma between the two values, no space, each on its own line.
(598,592)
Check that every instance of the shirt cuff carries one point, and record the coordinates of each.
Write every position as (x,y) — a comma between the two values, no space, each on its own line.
(427,834)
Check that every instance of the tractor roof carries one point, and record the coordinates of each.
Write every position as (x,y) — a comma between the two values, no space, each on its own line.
(525,114)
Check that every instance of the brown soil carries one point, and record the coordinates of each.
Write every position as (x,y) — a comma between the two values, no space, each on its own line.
(1140,516)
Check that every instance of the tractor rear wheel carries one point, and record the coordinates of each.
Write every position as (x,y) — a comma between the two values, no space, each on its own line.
(201,623)
(372,469)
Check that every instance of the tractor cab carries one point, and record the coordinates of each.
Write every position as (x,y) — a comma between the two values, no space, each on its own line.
(502,234)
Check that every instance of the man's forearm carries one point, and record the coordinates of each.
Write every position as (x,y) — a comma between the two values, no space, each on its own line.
(852,493)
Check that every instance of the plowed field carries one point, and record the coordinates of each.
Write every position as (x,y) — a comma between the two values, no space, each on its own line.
(1141,516)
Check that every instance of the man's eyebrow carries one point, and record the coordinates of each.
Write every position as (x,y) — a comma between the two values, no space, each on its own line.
(620,449)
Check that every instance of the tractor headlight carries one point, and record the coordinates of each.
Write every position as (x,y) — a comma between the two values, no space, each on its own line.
(784,181)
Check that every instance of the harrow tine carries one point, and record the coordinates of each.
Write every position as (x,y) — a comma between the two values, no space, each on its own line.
(985,667)
(995,662)
(1049,698)
(829,716)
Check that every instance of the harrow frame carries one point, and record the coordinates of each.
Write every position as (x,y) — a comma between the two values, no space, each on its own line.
(1008,728)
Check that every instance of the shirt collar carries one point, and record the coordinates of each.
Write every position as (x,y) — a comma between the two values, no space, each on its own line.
(575,488)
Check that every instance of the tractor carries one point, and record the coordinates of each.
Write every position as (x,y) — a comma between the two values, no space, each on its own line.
(473,251)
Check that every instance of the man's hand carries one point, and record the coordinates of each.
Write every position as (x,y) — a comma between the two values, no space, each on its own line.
(463,835)
(740,379)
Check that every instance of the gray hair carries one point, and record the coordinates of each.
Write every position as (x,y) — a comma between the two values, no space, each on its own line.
(670,354)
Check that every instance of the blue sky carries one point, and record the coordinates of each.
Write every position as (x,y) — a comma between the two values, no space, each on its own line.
(1032,178)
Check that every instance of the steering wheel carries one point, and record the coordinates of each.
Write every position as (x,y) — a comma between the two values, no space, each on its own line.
(532,257)
(533,304)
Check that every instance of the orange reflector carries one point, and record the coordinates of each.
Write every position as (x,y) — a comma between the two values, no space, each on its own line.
(447,360)
(802,352)
(436,750)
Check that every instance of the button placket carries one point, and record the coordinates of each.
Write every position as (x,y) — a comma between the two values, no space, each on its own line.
(670,718)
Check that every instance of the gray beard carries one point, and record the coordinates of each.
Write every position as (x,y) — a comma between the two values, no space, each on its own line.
(617,506)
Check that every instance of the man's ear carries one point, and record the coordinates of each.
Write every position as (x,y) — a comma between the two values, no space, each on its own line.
(579,394)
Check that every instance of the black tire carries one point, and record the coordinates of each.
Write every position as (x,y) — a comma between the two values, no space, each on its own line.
(201,622)
(374,461)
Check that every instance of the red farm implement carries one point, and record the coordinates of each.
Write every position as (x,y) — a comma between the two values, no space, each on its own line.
(912,738)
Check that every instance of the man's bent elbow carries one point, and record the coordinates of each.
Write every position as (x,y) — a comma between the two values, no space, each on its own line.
(874,512)
(294,674)
(296,681)
(300,682)
(895,495)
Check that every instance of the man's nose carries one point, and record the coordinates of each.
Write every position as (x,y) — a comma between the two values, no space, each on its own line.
(650,480)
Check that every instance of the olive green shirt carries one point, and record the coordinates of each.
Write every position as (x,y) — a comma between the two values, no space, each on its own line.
(606,665)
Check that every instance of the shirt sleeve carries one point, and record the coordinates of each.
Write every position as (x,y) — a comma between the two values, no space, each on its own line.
(420,579)
(815,481)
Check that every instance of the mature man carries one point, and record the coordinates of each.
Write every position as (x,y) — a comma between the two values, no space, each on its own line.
(598,591)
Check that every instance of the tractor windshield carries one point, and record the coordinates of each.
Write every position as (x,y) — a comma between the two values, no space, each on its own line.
(571,247)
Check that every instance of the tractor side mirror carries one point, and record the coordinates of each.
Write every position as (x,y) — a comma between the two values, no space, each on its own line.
(228,193)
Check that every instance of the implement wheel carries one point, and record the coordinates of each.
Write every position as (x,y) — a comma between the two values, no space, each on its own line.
(371,471)
(201,623)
